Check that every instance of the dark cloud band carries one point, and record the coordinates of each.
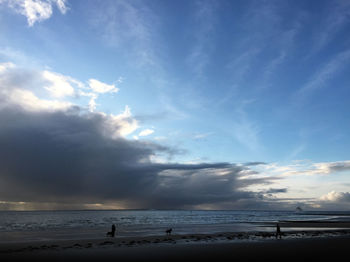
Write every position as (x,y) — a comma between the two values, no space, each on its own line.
(67,157)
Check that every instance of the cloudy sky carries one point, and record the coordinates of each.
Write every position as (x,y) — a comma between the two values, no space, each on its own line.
(174,104)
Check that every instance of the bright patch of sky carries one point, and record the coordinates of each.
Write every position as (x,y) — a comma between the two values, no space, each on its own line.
(221,81)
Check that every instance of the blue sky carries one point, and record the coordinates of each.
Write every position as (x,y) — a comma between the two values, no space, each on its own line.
(216,81)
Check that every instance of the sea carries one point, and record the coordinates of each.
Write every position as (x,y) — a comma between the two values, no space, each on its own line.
(29,226)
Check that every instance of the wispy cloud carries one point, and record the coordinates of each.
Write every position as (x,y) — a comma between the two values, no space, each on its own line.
(285,45)
(247,56)
(296,151)
(146,132)
(205,20)
(247,133)
(124,24)
(200,136)
(337,18)
(326,72)
(171,108)
(244,129)
(240,65)
(308,168)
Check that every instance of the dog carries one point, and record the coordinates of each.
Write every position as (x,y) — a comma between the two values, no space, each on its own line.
(109,234)
(168,231)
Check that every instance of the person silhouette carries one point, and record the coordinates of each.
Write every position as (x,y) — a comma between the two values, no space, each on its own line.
(113,230)
(278,231)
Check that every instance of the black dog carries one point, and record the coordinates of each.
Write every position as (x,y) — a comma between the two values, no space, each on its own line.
(168,231)
(112,232)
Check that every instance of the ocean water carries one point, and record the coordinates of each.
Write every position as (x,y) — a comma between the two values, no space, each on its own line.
(44,225)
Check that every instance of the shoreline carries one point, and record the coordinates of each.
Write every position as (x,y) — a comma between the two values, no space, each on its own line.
(308,235)
(223,237)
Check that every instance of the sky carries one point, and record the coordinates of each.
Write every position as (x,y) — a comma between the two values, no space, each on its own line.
(174,104)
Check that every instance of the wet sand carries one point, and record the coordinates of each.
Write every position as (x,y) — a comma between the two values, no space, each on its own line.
(315,249)
(300,245)
(315,224)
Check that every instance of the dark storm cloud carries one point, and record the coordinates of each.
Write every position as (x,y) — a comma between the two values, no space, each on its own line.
(339,166)
(66,157)
(276,190)
(270,193)
(254,163)
(261,180)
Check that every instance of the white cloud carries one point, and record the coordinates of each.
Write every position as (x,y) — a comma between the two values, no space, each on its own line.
(334,196)
(100,87)
(92,103)
(61,4)
(23,88)
(124,122)
(6,66)
(333,201)
(30,102)
(15,92)
(58,85)
(146,132)
(36,10)
(96,88)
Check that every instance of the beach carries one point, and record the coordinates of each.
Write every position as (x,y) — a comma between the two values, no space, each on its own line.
(300,241)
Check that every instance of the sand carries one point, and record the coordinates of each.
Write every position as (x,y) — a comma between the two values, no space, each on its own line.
(300,245)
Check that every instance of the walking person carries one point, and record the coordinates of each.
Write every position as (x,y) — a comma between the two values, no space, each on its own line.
(278,231)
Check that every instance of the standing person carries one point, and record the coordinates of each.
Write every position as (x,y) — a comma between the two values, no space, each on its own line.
(113,230)
(278,231)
